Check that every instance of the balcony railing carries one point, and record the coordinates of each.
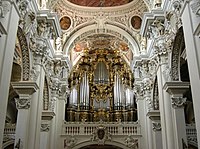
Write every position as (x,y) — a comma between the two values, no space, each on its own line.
(191,134)
(114,128)
(9,129)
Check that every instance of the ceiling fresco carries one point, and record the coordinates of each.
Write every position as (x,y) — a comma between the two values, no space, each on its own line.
(100,3)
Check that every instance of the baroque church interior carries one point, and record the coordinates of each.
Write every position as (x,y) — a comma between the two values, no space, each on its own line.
(99,74)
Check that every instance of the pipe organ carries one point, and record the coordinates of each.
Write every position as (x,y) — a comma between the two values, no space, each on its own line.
(101,86)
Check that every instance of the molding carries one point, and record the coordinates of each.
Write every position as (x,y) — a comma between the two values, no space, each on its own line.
(176,87)
(148,19)
(25,87)
(154,115)
(47,115)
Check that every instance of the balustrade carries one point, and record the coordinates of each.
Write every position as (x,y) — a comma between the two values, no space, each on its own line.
(113,128)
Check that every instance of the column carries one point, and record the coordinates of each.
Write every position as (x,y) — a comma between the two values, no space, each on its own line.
(24,90)
(177,89)
(8,32)
(191,19)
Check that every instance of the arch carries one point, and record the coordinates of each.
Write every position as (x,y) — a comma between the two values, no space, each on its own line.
(86,143)
(25,55)
(109,29)
(8,143)
(176,51)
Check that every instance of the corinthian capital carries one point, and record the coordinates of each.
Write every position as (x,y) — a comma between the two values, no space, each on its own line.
(178,102)
(156,126)
(23,102)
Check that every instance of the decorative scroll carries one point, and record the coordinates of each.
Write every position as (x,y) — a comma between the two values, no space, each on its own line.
(25,54)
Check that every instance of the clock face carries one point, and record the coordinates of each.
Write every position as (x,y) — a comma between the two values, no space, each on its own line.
(136,22)
(65,23)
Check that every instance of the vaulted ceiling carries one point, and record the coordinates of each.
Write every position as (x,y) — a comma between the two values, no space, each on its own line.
(100,3)
(85,26)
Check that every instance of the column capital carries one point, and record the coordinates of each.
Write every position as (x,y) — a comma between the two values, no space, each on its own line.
(176,89)
(24,89)
(178,102)
(23,102)
(156,126)
(45,127)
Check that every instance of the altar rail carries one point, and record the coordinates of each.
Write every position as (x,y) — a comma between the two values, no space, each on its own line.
(114,128)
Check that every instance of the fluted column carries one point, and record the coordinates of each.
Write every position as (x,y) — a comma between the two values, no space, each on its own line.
(190,16)
(177,89)
(24,90)
(8,32)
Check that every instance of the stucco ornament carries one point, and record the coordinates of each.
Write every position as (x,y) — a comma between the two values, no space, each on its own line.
(101,135)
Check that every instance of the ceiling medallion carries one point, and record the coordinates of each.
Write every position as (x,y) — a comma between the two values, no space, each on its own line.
(136,22)
(65,23)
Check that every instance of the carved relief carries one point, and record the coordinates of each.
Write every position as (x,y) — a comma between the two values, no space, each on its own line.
(4,8)
(22,103)
(156,29)
(100,135)
(70,142)
(195,6)
(156,126)
(155,96)
(45,96)
(45,127)
(131,142)
(45,29)
(25,54)
(178,45)
(178,102)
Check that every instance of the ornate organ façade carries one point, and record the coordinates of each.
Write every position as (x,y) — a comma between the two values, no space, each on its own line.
(101,86)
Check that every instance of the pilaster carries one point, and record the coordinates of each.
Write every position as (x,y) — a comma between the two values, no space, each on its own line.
(8,31)
(191,27)
(24,90)
(157,136)
(176,90)
(45,134)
